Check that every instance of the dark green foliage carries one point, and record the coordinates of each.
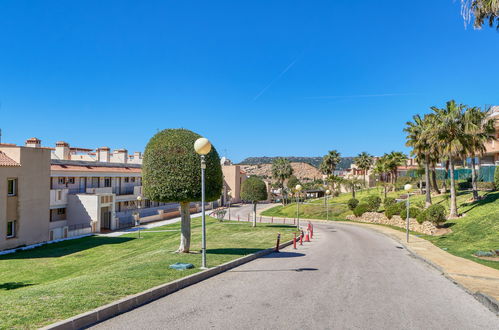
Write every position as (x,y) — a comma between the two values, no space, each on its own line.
(486,185)
(402,209)
(171,169)
(352,203)
(254,190)
(435,214)
(414,212)
(464,185)
(391,210)
(389,201)
(292,182)
(421,217)
(373,203)
(496,177)
(360,209)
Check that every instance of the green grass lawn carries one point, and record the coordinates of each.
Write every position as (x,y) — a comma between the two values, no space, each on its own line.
(477,230)
(60,280)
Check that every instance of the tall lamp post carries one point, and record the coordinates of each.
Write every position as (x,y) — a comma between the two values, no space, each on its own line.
(408,188)
(298,189)
(327,205)
(137,221)
(202,147)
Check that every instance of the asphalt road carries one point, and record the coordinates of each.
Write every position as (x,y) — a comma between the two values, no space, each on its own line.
(347,278)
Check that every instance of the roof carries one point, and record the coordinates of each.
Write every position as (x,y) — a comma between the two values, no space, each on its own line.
(7,161)
(84,166)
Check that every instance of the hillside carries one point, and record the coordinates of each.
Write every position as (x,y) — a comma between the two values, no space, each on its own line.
(303,171)
(314,161)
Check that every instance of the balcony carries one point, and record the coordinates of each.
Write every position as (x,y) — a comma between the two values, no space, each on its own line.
(58,197)
(105,190)
(129,194)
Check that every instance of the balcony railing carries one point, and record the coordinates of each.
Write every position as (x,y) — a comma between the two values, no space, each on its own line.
(58,197)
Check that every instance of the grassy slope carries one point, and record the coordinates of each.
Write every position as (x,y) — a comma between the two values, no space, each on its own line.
(60,280)
(478,230)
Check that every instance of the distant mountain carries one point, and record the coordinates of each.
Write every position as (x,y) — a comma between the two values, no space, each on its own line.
(314,161)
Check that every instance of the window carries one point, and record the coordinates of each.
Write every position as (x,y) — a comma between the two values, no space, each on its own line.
(11,229)
(133,179)
(71,180)
(61,211)
(62,180)
(107,182)
(126,180)
(11,187)
(59,195)
(148,203)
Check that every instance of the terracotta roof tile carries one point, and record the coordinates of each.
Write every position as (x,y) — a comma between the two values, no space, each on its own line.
(7,161)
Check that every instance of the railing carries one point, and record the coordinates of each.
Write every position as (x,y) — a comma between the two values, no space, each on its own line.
(73,191)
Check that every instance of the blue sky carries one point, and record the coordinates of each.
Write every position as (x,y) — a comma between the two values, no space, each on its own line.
(258,78)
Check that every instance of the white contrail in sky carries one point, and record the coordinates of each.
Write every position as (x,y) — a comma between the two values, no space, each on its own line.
(283,72)
(358,96)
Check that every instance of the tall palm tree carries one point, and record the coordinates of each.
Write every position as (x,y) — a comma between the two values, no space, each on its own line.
(479,129)
(352,184)
(364,161)
(420,148)
(434,150)
(329,162)
(281,170)
(393,160)
(381,170)
(482,10)
(449,132)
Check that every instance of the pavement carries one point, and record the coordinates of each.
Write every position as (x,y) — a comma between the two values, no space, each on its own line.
(348,277)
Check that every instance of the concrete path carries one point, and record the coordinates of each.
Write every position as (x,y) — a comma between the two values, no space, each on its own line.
(348,277)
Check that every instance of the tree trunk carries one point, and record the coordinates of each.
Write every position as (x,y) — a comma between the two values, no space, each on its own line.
(434,180)
(365,182)
(473,179)
(384,187)
(353,191)
(427,181)
(282,193)
(254,214)
(453,200)
(185,228)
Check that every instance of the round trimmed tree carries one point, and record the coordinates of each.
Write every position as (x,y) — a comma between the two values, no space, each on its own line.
(254,190)
(171,173)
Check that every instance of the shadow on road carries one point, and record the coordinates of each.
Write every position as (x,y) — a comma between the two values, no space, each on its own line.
(284,255)
(275,270)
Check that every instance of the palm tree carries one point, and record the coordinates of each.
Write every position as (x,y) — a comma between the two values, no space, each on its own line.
(479,130)
(482,10)
(281,170)
(352,184)
(420,148)
(364,161)
(329,162)
(449,132)
(393,160)
(381,170)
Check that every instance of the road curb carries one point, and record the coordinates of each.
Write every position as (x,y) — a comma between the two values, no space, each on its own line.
(489,302)
(130,302)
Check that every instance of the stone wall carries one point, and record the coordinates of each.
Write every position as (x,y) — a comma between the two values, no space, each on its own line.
(426,227)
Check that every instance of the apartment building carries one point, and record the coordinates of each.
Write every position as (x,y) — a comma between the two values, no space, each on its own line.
(491,156)
(233,180)
(24,199)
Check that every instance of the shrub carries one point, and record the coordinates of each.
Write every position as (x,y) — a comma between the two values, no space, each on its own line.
(352,203)
(360,209)
(435,214)
(464,185)
(414,212)
(373,203)
(421,217)
(496,177)
(336,193)
(391,210)
(485,185)
(402,209)
(389,201)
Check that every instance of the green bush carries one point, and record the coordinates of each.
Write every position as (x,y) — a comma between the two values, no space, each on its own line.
(414,212)
(352,203)
(373,203)
(402,209)
(391,210)
(463,185)
(435,214)
(421,217)
(496,177)
(360,209)
(389,201)
(485,185)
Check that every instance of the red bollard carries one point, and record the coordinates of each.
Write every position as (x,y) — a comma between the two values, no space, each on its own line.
(277,244)
(294,242)
(307,239)
(301,239)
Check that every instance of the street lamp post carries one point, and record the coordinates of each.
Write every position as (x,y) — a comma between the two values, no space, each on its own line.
(137,221)
(327,205)
(202,147)
(408,188)
(298,189)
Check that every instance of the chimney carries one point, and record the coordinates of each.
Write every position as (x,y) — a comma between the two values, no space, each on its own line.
(120,156)
(33,143)
(103,154)
(62,150)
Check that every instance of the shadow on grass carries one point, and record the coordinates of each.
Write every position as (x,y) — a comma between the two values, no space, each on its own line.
(490,197)
(13,285)
(65,248)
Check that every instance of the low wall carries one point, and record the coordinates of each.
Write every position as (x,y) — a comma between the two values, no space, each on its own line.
(426,227)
